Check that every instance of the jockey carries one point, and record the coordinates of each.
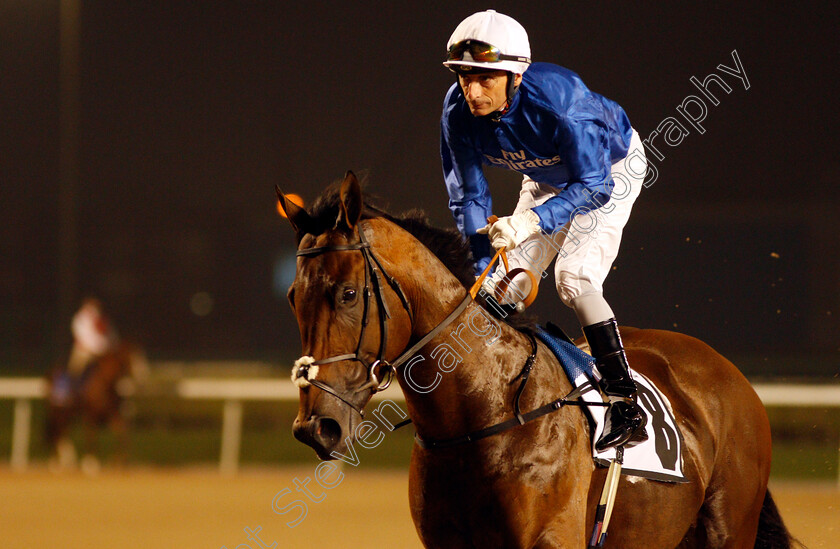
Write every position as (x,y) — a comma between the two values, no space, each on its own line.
(583,166)
(93,336)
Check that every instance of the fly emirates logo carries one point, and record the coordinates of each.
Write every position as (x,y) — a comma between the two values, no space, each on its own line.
(517,161)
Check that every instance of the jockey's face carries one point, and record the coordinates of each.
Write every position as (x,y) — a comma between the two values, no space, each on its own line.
(486,92)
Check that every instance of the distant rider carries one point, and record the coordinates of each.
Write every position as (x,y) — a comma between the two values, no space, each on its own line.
(94,336)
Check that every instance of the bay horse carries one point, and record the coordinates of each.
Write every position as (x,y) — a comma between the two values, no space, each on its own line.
(535,485)
(95,399)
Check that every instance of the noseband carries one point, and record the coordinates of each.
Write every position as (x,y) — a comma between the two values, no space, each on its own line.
(374,271)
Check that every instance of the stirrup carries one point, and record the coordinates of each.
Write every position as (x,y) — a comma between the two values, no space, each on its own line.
(620,437)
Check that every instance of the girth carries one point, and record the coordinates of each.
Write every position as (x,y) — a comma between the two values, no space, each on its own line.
(519,418)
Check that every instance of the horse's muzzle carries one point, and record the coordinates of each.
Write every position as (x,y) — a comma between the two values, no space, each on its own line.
(322,434)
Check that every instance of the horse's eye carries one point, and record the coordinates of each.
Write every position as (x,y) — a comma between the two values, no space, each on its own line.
(348,295)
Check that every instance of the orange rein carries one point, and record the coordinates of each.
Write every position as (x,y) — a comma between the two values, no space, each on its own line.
(502,287)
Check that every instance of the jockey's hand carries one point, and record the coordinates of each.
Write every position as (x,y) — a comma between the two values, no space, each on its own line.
(488,286)
(511,231)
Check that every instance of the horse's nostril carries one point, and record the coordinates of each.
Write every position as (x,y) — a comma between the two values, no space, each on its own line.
(323,434)
(328,431)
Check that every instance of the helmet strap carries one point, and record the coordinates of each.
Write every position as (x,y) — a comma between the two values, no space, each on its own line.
(512,88)
(510,92)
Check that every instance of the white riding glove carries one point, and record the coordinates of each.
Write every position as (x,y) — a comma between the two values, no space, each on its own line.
(511,231)
(489,285)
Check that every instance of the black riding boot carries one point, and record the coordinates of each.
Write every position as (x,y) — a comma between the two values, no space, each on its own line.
(624,421)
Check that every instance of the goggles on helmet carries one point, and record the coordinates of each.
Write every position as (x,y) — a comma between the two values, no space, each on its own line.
(481,52)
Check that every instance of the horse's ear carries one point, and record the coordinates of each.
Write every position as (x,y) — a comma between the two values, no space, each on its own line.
(301,221)
(351,201)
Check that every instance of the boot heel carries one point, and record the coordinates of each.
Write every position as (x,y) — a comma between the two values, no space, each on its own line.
(639,435)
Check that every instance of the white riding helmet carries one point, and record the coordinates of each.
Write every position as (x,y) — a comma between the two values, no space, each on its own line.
(489,40)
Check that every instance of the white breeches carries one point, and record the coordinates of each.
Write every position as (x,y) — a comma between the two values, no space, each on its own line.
(586,247)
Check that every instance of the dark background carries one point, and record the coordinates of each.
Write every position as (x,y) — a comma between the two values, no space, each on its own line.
(191,112)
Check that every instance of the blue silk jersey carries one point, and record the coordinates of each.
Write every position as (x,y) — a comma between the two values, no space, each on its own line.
(556,132)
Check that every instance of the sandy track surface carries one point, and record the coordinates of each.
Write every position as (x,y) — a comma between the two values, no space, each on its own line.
(198,508)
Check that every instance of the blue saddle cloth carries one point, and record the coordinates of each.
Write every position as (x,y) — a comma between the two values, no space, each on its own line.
(574,361)
(62,389)
(65,388)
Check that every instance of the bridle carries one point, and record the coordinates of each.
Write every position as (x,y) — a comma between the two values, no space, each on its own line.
(373,268)
(374,272)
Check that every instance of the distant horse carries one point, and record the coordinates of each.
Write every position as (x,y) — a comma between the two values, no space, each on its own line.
(95,399)
(535,485)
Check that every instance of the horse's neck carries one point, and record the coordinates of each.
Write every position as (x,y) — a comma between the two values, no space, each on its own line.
(465,377)
(432,291)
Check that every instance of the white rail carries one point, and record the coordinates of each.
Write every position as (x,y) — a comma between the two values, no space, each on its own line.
(23,391)
(233,392)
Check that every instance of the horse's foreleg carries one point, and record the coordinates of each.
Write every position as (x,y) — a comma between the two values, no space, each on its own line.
(62,450)
(119,427)
(52,431)
(90,463)
(65,453)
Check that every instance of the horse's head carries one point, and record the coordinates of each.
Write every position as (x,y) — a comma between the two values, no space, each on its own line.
(352,315)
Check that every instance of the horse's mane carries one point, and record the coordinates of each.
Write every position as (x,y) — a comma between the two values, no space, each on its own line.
(448,245)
